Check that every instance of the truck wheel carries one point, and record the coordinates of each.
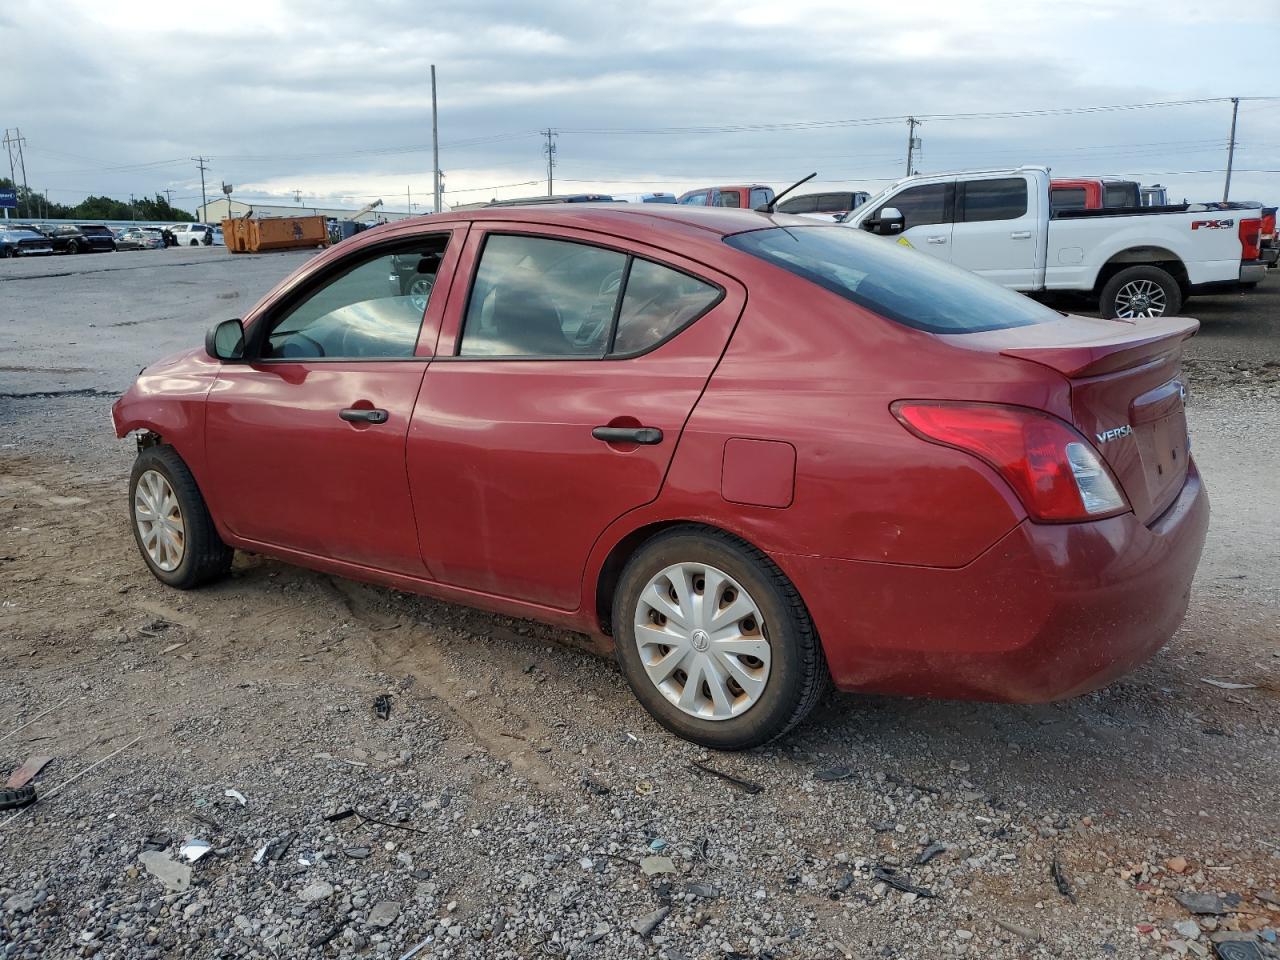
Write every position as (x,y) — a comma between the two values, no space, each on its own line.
(715,641)
(171,523)
(1140,292)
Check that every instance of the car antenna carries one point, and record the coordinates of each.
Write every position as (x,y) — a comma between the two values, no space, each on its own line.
(768,207)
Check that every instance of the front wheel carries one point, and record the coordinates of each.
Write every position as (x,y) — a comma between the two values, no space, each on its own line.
(73,247)
(171,523)
(715,641)
(1144,291)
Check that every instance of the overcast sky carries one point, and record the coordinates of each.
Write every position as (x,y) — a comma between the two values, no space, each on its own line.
(334,98)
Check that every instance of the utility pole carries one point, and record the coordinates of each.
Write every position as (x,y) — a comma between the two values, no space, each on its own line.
(1231,147)
(297,197)
(8,148)
(19,139)
(133,214)
(435,145)
(168,197)
(913,143)
(204,197)
(550,151)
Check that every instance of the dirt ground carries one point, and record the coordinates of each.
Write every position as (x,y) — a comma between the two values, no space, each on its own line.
(517,801)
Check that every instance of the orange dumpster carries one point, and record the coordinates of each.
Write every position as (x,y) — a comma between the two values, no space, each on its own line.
(274,233)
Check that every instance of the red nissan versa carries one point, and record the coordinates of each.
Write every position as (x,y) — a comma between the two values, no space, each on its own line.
(756,451)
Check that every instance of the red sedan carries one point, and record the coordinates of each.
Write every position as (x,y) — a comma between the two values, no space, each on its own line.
(758,453)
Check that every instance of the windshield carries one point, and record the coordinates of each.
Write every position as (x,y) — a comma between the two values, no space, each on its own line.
(904,285)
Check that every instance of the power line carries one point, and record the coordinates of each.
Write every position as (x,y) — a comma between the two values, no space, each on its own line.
(204,199)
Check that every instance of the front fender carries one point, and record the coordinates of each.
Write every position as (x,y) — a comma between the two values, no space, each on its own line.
(168,399)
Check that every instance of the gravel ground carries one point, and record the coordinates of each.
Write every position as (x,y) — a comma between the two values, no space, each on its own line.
(517,802)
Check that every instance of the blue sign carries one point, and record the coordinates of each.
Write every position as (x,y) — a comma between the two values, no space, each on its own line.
(8,198)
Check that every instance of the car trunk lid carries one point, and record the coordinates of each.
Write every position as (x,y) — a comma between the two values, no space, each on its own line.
(1126,393)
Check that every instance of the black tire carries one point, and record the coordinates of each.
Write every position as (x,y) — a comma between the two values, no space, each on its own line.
(1108,307)
(205,557)
(14,798)
(798,676)
(10,252)
(73,247)
(195,243)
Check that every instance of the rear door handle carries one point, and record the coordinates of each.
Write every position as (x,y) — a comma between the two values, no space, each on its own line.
(937,240)
(357,415)
(1020,235)
(646,436)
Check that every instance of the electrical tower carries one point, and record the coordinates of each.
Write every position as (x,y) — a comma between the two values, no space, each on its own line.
(204,197)
(297,197)
(913,144)
(12,140)
(550,150)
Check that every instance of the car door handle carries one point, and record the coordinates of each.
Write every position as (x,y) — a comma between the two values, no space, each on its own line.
(937,240)
(646,436)
(357,415)
(1020,235)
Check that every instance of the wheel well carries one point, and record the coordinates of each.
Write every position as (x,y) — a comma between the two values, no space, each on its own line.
(1160,257)
(624,550)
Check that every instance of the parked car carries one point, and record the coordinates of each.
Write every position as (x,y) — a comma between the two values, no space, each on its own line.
(538,201)
(197,234)
(1137,262)
(644,198)
(170,240)
(832,206)
(1156,195)
(23,241)
(747,197)
(68,238)
(1094,194)
(1270,244)
(136,238)
(754,454)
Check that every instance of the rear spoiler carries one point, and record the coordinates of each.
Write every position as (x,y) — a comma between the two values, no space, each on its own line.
(1131,345)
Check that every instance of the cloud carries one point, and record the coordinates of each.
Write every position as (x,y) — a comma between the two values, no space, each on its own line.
(334,98)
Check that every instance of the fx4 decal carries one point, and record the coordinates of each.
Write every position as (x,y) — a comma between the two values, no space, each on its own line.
(1212,224)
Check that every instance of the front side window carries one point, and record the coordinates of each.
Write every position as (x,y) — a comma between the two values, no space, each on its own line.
(1004,199)
(901,284)
(371,310)
(920,205)
(760,196)
(804,204)
(698,199)
(546,298)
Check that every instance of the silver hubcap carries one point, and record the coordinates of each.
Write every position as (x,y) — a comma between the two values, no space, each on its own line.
(420,292)
(1140,298)
(159,520)
(702,641)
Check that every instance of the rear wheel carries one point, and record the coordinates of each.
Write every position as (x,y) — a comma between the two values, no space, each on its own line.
(171,523)
(715,641)
(195,243)
(10,252)
(73,246)
(1144,291)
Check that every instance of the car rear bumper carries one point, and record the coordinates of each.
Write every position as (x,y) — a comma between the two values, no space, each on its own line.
(1270,255)
(1050,611)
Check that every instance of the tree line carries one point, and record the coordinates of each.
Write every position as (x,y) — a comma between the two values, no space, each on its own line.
(37,206)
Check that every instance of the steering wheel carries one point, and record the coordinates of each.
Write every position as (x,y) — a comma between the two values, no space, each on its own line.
(298,334)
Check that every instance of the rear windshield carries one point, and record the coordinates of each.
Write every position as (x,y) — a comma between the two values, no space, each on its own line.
(899,283)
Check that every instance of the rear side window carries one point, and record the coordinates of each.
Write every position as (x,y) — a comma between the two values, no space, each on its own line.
(921,205)
(698,199)
(727,198)
(760,196)
(658,303)
(985,200)
(805,204)
(1119,195)
(904,285)
(539,297)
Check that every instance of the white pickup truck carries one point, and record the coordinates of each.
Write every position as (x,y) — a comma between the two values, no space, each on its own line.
(1142,262)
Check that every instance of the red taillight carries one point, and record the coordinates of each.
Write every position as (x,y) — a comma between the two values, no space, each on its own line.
(1268,226)
(1055,472)
(1250,239)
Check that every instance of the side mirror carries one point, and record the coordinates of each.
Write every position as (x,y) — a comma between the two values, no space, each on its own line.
(890,221)
(225,341)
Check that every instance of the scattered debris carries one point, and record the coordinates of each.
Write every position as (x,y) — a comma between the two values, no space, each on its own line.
(1060,880)
(172,647)
(929,852)
(1270,897)
(26,773)
(650,866)
(1176,864)
(316,890)
(175,876)
(1238,950)
(644,788)
(657,844)
(382,706)
(843,884)
(647,924)
(16,798)
(1228,685)
(340,815)
(704,890)
(746,786)
(66,783)
(235,795)
(1018,930)
(322,939)
(194,849)
(357,853)
(883,826)
(833,774)
(384,914)
(38,716)
(1204,904)
(1188,929)
(208,821)
(898,881)
(415,950)
(595,787)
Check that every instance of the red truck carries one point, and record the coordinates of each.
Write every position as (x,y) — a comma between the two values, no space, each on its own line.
(746,196)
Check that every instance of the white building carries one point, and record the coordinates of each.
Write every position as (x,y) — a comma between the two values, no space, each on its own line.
(215,211)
